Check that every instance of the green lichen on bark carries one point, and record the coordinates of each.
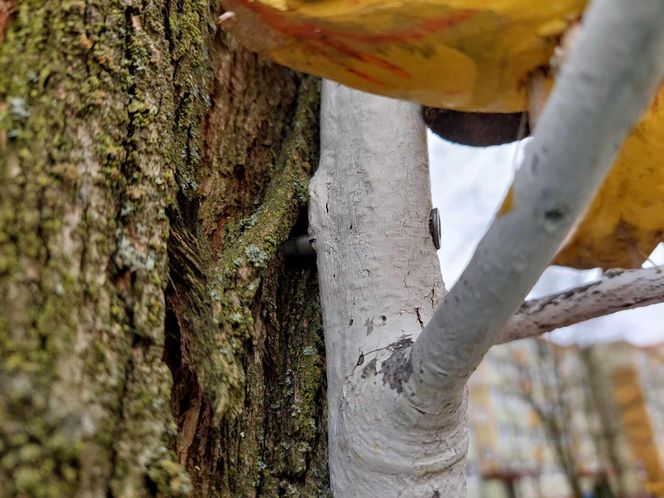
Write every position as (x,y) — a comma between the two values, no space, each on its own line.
(244,344)
(294,411)
(130,131)
(280,315)
(88,91)
(236,277)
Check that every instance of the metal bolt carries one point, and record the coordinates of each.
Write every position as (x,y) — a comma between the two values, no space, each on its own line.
(434,227)
(299,246)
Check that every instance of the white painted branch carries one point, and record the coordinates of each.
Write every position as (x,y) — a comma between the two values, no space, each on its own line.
(617,291)
(612,73)
(379,282)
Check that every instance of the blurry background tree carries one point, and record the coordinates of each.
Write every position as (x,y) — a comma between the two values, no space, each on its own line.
(606,431)
(549,389)
(598,408)
(154,340)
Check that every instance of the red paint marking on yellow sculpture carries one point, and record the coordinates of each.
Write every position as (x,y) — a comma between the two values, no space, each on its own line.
(318,35)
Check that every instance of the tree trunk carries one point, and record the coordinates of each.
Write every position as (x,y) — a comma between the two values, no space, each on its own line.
(155,341)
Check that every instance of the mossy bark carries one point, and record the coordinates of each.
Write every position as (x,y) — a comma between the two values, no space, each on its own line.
(154,340)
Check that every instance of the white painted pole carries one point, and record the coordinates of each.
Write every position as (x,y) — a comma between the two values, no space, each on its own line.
(379,283)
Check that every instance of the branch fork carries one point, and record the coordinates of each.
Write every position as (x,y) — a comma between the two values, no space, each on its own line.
(397,421)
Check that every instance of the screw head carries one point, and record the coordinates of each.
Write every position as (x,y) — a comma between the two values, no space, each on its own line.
(434,227)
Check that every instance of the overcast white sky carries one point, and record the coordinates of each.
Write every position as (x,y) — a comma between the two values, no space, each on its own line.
(468,185)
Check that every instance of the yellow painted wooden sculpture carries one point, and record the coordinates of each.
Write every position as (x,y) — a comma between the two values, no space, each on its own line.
(465,55)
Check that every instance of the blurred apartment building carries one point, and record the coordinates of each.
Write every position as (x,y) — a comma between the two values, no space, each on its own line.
(548,421)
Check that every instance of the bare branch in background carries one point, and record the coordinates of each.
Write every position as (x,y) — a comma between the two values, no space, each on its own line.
(618,290)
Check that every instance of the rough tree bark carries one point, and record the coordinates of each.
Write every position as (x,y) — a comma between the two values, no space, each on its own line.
(149,171)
